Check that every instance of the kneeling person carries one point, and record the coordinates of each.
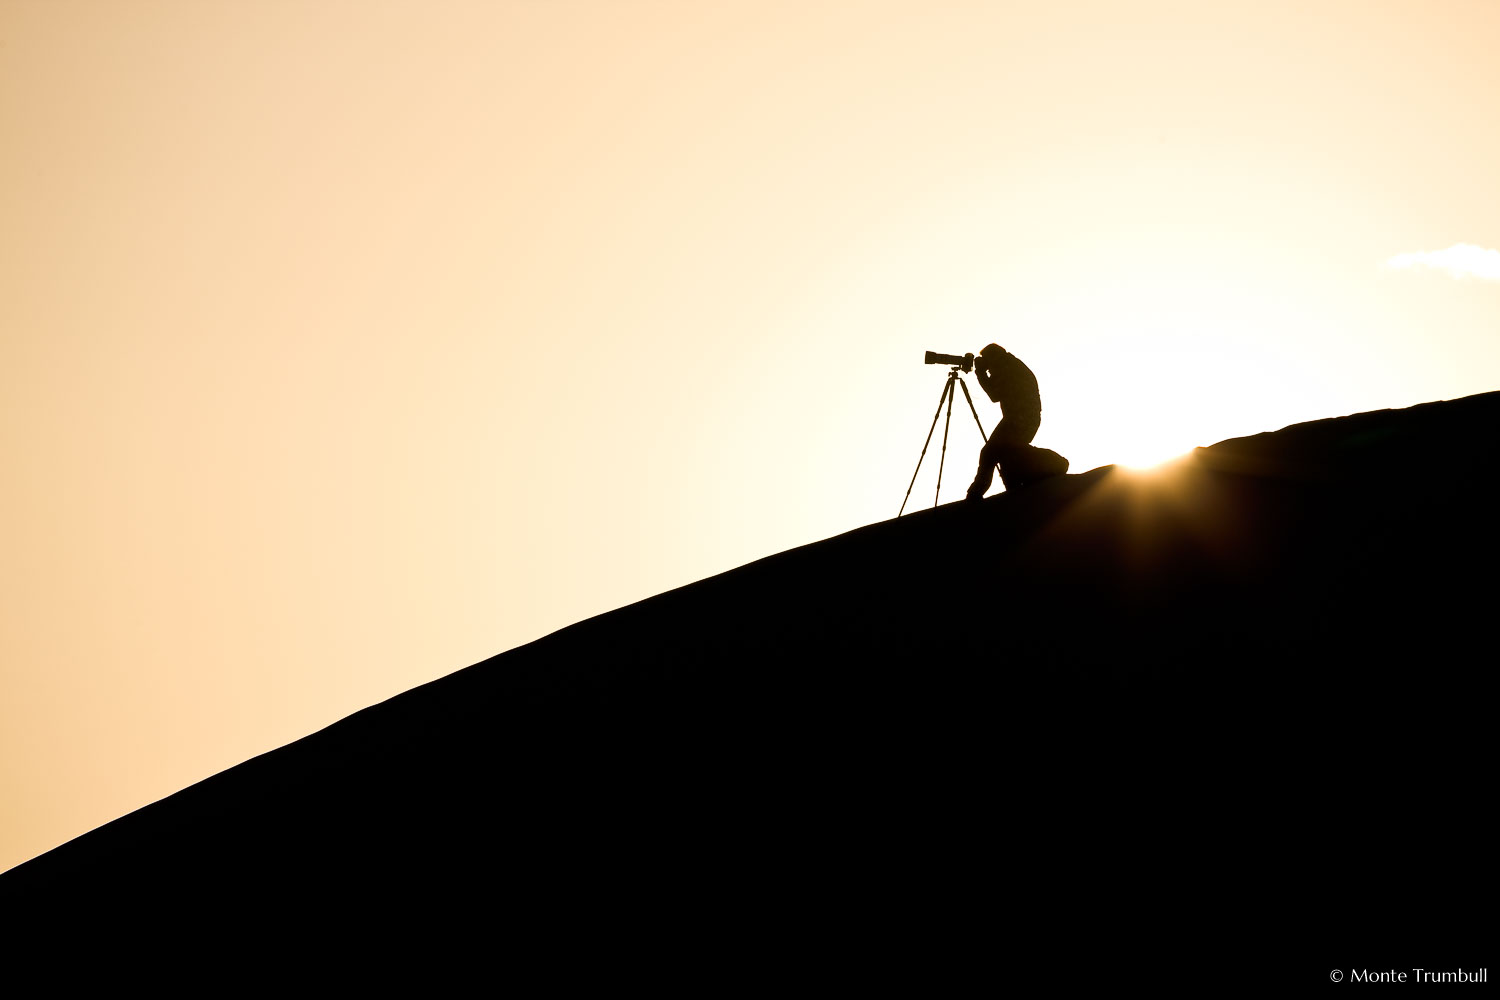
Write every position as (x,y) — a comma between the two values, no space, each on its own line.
(1007,381)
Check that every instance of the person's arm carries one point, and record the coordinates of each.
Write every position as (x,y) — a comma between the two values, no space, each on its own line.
(982,363)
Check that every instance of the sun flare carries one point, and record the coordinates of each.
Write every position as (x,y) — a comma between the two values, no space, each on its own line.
(1147,457)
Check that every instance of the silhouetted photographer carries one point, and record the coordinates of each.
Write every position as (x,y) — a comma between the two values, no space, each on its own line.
(1007,381)
(1010,383)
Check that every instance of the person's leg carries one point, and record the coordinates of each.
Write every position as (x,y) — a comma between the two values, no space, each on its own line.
(1008,447)
(1010,457)
(986,473)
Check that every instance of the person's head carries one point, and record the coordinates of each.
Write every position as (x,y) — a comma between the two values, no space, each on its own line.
(984,364)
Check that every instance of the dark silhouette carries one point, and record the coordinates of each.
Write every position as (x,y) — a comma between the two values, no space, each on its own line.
(1007,381)
(960,364)
(1228,719)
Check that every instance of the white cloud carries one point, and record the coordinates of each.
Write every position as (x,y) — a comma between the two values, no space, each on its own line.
(1461,260)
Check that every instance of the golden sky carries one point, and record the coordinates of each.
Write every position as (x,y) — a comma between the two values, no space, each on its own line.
(344,344)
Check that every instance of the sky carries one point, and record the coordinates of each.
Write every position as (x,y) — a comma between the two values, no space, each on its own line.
(346,344)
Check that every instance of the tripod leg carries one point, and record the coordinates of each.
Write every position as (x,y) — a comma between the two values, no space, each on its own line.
(947,391)
(946,424)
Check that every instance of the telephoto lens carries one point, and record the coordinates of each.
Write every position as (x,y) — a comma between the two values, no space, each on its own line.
(966,362)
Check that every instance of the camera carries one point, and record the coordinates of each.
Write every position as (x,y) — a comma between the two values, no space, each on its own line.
(966,362)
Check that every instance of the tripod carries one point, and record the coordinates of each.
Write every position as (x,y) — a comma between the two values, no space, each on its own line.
(953,376)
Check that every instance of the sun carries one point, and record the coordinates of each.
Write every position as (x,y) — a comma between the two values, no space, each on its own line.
(1157,376)
(1151,456)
